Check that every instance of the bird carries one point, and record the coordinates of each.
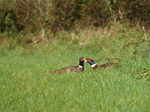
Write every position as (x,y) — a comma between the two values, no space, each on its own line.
(78,68)
(95,66)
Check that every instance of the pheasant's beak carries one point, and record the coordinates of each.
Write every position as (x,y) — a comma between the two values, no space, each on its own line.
(85,60)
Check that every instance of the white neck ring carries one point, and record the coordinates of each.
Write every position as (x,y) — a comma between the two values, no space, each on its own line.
(80,66)
(93,65)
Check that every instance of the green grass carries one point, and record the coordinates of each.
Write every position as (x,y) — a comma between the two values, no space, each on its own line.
(123,88)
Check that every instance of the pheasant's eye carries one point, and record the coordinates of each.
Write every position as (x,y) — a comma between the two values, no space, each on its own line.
(81,59)
(88,60)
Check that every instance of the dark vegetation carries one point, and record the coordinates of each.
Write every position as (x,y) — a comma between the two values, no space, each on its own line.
(22,17)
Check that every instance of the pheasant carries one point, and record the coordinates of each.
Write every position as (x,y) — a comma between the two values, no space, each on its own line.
(95,66)
(78,68)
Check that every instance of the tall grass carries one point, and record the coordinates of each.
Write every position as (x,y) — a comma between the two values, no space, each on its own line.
(123,88)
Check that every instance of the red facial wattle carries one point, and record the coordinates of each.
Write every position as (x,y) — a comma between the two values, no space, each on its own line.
(88,60)
(81,59)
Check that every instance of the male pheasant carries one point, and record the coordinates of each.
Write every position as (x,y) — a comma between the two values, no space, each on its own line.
(78,68)
(95,66)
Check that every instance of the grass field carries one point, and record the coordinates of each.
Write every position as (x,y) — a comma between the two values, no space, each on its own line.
(122,88)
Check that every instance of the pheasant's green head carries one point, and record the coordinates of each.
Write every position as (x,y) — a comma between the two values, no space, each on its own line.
(91,62)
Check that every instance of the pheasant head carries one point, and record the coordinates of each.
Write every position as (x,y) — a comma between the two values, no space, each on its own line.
(81,62)
(91,62)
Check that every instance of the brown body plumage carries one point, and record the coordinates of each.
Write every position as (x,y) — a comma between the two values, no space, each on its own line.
(104,65)
(95,66)
(78,68)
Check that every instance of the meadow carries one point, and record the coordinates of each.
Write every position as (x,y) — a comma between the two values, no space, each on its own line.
(122,88)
